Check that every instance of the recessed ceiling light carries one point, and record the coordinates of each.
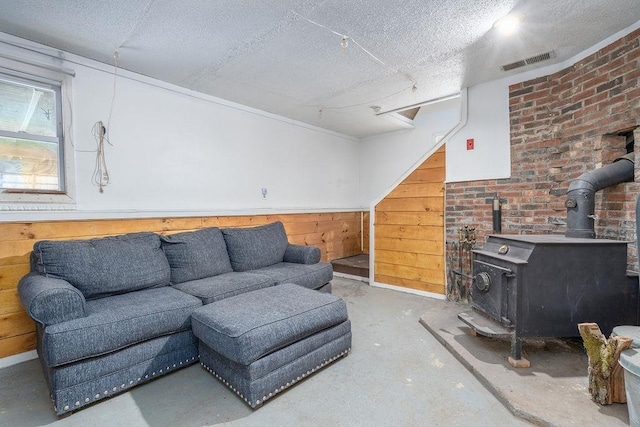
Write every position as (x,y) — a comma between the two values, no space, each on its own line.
(508,24)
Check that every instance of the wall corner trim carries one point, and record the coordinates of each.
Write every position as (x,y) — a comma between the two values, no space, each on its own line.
(18,358)
(409,290)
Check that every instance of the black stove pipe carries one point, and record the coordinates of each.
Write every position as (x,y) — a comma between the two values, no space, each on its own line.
(580,201)
(497,214)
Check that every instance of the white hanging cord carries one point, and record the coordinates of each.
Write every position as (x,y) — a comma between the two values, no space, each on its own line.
(344,43)
(375,101)
(366,51)
(100,176)
(344,38)
(116,55)
(136,23)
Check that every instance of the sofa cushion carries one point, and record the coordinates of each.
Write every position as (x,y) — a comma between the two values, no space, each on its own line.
(118,321)
(225,285)
(105,266)
(312,276)
(249,326)
(196,254)
(255,247)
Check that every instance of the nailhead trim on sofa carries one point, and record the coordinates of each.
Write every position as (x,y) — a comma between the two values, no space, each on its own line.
(259,402)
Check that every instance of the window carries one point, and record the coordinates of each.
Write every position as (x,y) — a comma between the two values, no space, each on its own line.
(31,145)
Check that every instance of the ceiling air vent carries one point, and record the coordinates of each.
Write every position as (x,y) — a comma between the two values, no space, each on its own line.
(528,61)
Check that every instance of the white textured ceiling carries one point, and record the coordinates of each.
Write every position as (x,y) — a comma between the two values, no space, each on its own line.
(268,55)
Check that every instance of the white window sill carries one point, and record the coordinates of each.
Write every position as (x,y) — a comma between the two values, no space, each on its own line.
(36,202)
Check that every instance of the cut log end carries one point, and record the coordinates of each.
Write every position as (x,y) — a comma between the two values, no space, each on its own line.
(606,376)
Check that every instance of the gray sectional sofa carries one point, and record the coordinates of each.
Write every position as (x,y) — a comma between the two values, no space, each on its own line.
(115,312)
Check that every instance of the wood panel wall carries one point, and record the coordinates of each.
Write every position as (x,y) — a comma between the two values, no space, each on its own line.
(338,235)
(409,230)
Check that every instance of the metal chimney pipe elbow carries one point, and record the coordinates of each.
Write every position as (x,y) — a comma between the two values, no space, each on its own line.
(580,201)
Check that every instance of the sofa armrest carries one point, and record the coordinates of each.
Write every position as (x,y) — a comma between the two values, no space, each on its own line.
(302,254)
(49,301)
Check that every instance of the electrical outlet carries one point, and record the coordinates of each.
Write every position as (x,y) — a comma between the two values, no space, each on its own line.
(470,144)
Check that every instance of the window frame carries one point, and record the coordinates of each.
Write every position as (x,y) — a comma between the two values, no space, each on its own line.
(26,72)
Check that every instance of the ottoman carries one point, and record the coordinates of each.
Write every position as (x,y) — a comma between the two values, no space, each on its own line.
(259,343)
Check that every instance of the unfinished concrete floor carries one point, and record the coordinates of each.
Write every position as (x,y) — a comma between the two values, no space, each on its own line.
(398,374)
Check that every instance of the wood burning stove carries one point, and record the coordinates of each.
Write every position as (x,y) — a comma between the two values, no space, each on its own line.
(544,285)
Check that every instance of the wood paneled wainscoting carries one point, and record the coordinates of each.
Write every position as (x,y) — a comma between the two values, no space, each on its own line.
(338,235)
(409,230)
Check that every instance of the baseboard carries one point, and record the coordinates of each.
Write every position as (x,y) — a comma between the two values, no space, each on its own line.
(351,276)
(409,291)
(18,358)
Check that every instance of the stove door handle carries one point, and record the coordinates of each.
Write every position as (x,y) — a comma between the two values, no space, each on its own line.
(506,271)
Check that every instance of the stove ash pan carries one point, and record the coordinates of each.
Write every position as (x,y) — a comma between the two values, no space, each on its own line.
(543,286)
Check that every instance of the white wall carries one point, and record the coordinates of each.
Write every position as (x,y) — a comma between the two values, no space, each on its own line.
(176,151)
(488,125)
(385,158)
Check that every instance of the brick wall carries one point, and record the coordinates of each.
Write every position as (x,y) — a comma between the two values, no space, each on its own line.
(562,125)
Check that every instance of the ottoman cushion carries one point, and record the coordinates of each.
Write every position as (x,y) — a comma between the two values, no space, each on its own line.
(249,326)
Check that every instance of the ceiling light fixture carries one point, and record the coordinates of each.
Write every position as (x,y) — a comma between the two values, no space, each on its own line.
(509,24)
(344,42)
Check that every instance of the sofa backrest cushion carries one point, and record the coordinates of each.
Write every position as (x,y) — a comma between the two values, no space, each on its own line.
(255,247)
(196,254)
(105,266)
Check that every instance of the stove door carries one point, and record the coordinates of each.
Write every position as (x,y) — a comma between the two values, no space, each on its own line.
(490,291)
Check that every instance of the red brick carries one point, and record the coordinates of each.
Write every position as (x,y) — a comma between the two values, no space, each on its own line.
(634,35)
(585,77)
(633,94)
(597,81)
(634,75)
(583,95)
(633,55)
(560,88)
(536,95)
(596,99)
(613,46)
(624,70)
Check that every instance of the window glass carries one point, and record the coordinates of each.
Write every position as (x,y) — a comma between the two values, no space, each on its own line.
(30,135)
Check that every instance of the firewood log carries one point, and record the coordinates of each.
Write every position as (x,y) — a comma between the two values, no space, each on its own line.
(606,376)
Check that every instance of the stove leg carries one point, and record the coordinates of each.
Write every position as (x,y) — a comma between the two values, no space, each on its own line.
(516,360)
